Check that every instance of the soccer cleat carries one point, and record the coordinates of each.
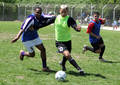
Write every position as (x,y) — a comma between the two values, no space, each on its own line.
(46,69)
(63,66)
(84,49)
(81,72)
(102,60)
(21,56)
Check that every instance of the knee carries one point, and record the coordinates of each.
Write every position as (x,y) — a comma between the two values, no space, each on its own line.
(98,51)
(66,54)
(32,54)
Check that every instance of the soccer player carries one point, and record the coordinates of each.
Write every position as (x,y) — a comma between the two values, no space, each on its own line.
(63,23)
(94,36)
(30,37)
(115,24)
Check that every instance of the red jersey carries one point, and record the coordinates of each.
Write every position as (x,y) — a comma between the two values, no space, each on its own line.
(91,25)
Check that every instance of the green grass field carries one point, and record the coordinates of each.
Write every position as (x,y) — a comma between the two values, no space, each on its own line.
(28,72)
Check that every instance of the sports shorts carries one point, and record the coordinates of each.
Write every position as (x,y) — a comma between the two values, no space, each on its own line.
(96,45)
(30,44)
(62,46)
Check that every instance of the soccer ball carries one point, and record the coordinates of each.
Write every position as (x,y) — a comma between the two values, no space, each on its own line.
(60,76)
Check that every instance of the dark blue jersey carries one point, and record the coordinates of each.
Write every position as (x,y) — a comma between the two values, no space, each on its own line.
(31,20)
(96,31)
(29,34)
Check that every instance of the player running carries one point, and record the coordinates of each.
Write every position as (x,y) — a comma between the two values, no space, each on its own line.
(63,23)
(30,37)
(95,37)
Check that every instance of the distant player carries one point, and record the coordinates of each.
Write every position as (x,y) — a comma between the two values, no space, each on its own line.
(115,24)
(30,37)
(94,36)
(63,23)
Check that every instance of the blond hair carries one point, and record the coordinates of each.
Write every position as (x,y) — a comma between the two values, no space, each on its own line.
(64,7)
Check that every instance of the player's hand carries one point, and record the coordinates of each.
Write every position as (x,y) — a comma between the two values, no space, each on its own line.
(98,37)
(14,40)
(104,20)
(78,27)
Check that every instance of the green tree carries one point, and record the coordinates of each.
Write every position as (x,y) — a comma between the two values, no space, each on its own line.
(8,1)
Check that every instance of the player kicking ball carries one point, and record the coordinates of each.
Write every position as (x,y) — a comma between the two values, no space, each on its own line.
(94,36)
(63,23)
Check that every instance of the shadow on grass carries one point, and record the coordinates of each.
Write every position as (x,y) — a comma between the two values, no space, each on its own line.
(40,71)
(70,73)
(109,61)
(65,81)
(47,73)
(86,74)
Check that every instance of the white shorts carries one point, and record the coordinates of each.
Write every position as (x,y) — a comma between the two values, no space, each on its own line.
(30,44)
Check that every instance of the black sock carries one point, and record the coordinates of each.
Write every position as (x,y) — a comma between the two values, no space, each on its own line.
(90,48)
(64,60)
(73,62)
(102,51)
(44,63)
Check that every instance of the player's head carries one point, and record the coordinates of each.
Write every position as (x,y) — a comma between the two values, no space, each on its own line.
(38,12)
(64,10)
(96,15)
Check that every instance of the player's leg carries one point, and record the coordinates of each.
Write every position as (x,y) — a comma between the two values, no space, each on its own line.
(116,26)
(113,26)
(60,46)
(95,48)
(72,61)
(85,48)
(39,45)
(63,62)
(43,56)
(29,46)
(102,46)
(102,51)
(28,54)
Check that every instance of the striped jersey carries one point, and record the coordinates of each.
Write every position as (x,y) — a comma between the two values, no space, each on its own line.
(31,20)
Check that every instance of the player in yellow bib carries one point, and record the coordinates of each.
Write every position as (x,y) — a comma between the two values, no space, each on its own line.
(63,23)
(62,31)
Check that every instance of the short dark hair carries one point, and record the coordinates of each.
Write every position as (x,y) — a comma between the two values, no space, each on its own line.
(96,13)
(37,8)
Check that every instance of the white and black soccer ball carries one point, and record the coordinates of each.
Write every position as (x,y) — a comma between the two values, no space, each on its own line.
(60,75)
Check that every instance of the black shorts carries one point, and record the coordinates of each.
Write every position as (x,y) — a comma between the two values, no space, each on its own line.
(96,45)
(62,46)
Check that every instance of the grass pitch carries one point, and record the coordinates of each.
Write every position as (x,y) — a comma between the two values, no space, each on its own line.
(28,72)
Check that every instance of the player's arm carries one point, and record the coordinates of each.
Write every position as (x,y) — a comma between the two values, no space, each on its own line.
(89,30)
(28,24)
(51,20)
(102,20)
(72,23)
(47,21)
(17,36)
(94,35)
